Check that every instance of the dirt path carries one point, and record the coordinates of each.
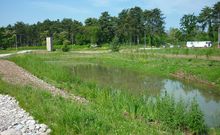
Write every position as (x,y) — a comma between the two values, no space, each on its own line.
(14,74)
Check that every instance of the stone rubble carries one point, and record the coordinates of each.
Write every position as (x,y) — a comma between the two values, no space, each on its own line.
(16,121)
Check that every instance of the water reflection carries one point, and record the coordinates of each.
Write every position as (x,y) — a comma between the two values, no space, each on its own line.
(118,78)
(135,82)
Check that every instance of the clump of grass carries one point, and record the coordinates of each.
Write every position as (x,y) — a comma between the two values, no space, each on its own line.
(177,115)
(65,48)
(208,53)
(186,51)
(195,119)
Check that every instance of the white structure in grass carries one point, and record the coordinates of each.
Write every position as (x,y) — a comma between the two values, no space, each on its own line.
(49,41)
(199,44)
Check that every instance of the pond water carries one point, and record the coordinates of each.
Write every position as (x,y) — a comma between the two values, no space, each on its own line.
(135,82)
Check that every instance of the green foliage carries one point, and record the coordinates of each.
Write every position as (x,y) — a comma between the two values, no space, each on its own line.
(81,39)
(174,36)
(66,42)
(178,116)
(131,26)
(106,23)
(115,45)
(188,26)
(65,48)
(93,34)
(195,119)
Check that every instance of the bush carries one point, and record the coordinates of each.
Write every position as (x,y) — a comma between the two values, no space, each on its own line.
(115,44)
(177,115)
(65,48)
(196,119)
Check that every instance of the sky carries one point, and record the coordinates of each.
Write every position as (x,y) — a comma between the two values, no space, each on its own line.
(32,11)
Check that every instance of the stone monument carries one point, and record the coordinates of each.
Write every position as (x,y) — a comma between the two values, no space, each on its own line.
(49,41)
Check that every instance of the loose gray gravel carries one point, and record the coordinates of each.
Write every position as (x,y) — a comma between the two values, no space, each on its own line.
(16,121)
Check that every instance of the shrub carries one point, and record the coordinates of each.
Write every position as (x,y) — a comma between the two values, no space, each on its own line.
(196,119)
(65,48)
(115,44)
(177,115)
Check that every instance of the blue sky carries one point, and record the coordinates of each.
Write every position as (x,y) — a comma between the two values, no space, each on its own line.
(31,11)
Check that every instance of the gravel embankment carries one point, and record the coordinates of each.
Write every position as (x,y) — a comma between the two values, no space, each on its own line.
(15,121)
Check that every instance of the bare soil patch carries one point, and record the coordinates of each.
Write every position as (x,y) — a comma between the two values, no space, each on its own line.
(192,78)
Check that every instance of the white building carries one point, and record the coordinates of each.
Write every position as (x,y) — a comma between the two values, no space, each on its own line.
(199,44)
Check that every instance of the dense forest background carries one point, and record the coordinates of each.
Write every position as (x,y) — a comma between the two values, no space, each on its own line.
(131,26)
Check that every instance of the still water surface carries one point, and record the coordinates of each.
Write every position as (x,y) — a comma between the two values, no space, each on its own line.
(138,83)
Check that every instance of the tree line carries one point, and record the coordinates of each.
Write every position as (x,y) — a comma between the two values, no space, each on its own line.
(131,26)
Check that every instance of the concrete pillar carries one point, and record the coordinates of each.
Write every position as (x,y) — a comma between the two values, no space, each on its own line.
(49,41)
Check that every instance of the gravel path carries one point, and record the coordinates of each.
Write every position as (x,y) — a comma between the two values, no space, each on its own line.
(14,74)
(15,121)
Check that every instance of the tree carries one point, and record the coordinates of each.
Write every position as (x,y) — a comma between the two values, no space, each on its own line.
(154,26)
(205,18)
(216,20)
(91,22)
(174,36)
(189,26)
(92,30)
(136,23)
(93,33)
(106,27)
(123,30)
(128,26)
(67,25)
(1,38)
(75,28)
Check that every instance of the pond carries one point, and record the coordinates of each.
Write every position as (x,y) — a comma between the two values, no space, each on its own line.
(139,83)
